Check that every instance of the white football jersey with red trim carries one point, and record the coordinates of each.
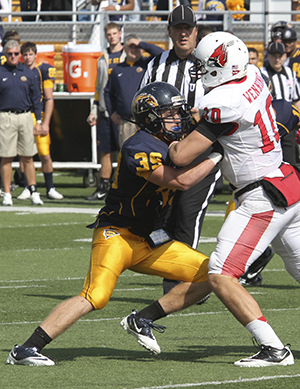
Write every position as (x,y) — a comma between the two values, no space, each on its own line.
(252,149)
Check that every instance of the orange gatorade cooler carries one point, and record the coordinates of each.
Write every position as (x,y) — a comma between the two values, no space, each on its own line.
(81,67)
(45,53)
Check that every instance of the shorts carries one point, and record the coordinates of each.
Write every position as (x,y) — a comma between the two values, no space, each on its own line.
(16,135)
(107,135)
(116,249)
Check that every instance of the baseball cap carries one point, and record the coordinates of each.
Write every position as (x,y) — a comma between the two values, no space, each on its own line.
(183,14)
(289,34)
(276,47)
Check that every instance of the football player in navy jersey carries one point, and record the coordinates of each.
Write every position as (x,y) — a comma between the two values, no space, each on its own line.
(47,76)
(128,232)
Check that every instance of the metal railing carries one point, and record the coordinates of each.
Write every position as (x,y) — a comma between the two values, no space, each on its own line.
(73,30)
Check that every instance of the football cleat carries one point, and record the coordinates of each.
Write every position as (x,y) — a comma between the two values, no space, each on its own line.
(35,199)
(100,192)
(25,195)
(54,195)
(140,328)
(268,356)
(28,356)
(7,200)
(252,276)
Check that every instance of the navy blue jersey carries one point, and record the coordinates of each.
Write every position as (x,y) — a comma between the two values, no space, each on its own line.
(132,200)
(20,89)
(287,116)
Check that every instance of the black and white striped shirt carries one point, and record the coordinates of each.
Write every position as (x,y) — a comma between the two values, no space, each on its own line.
(284,83)
(169,68)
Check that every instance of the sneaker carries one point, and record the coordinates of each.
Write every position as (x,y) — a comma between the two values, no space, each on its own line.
(28,356)
(100,193)
(7,199)
(54,195)
(141,329)
(268,356)
(25,195)
(252,276)
(35,199)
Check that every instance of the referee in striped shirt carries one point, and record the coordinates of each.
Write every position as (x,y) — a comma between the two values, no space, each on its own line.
(189,207)
(283,85)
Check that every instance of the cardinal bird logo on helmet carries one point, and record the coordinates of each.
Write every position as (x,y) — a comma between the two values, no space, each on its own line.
(218,57)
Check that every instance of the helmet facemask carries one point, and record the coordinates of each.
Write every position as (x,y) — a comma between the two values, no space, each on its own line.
(179,116)
(159,109)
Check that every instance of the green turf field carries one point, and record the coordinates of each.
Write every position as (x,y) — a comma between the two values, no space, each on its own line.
(44,258)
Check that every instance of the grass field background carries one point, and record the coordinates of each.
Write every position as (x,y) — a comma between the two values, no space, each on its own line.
(44,258)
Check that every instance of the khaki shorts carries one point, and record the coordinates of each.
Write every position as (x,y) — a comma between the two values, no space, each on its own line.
(16,135)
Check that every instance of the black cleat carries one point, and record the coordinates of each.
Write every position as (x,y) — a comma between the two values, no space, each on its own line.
(252,276)
(28,356)
(100,193)
(268,356)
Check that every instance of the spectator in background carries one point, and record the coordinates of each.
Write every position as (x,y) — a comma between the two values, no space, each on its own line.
(124,82)
(30,6)
(253,56)
(135,17)
(18,95)
(284,85)
(56,5)
(47,76)
(213,6)
(116,5)
(4,7)
(107,131)
(276,32)
(289,39)
(8,35)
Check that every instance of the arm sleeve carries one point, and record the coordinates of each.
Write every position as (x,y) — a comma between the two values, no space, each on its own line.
(213,131)
(153,50)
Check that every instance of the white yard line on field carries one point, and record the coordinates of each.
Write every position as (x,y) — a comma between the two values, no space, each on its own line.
(174,316)
(240,380)
(92,211)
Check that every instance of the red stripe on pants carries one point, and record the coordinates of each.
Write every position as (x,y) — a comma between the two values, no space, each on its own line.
(235,263)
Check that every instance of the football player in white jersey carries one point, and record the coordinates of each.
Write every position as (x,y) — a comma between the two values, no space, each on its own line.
(237,111)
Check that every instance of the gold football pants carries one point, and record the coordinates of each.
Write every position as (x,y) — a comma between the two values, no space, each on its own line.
(116,249)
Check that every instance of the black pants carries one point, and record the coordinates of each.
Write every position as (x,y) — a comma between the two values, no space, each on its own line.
(289,148)
(188,210)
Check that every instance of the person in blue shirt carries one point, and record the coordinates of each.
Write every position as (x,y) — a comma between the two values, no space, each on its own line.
(124,82)
(19,93)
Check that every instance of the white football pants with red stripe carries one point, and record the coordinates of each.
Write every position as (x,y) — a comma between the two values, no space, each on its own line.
(250,228)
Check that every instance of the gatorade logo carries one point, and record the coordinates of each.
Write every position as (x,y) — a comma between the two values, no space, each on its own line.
(75,68)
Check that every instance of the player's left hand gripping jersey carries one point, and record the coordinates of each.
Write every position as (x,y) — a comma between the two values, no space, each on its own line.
(240,115)
(133,201)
